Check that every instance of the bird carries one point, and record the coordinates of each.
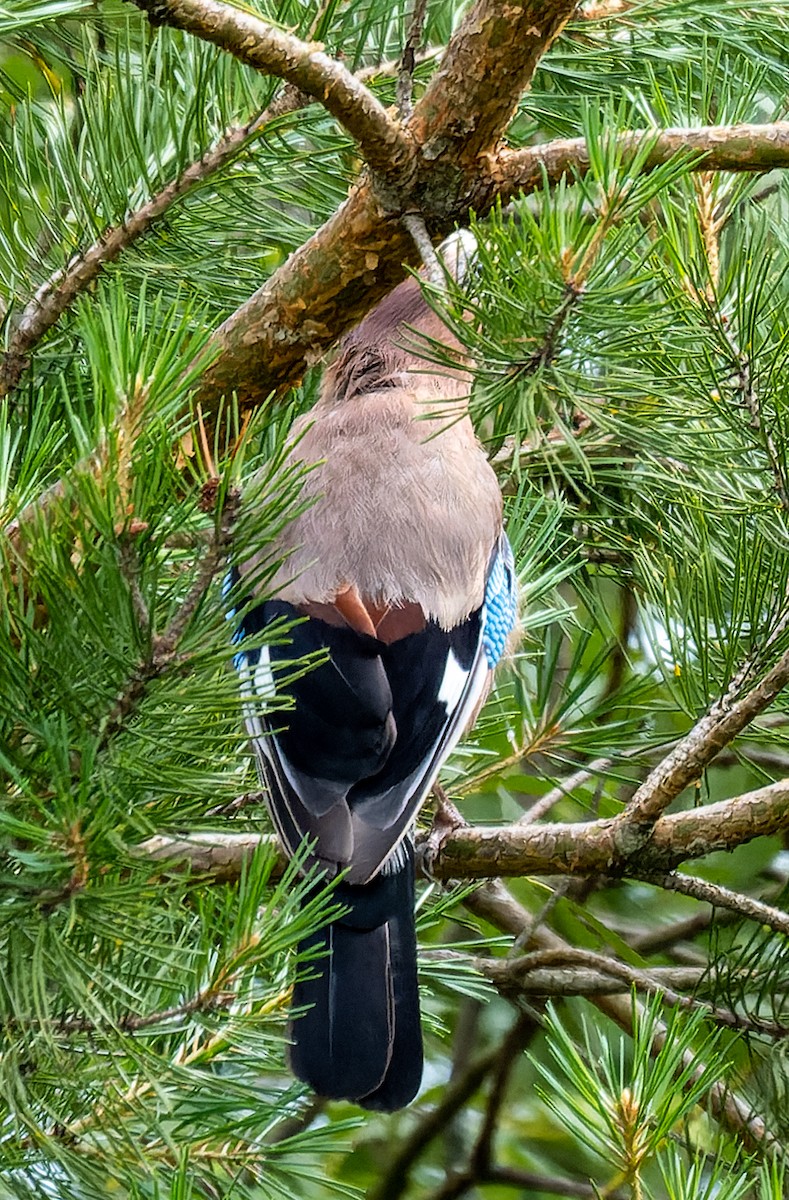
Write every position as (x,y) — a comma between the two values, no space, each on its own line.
(397,572)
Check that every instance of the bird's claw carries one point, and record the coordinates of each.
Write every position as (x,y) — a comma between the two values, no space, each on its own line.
(446,819)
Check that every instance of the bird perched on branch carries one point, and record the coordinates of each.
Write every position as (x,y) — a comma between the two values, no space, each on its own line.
(398,568)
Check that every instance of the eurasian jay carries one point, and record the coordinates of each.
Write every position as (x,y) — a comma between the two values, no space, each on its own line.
(399,570)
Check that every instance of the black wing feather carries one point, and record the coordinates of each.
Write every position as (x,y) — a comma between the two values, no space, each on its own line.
(348,766)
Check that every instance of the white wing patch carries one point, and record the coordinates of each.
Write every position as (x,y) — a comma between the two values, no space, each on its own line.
(251,695)
(452,684)
(264,676)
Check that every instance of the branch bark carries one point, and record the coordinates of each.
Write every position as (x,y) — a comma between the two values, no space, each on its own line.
(494,904)
(487,67)
(383,142)
(744,147)
(58,292)
(331,281)
(686,762)
(358,255)
(564,848)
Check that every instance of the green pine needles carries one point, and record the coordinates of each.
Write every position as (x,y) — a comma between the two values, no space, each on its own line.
(608,1019)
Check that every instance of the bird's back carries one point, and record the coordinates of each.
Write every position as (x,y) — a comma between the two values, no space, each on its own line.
(402,507)
(396,569)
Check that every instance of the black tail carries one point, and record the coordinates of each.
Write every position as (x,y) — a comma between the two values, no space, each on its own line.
(359,1037)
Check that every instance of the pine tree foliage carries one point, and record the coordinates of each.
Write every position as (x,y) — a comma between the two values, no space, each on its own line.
(628,324)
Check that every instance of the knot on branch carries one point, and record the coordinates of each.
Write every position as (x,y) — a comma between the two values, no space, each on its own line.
(158,12)
(12,366)
(629,838)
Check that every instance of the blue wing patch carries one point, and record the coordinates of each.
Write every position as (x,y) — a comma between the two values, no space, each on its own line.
(500,607)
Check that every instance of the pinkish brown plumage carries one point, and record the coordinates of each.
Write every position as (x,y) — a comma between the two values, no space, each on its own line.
(398,570)
(404,507)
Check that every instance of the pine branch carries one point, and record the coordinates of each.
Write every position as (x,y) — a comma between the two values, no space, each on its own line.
(473,96)
(527,1182)
(384,145)
(358,255)
(744,147)
(594,847)
(686,763)
(580,848)
(494,903)
(164,647)
(205,1001)
(481,1166)
(58,293)
(526,976)
(729,1109)
(723,898)
(520,975)
(460,1090)
(405,74)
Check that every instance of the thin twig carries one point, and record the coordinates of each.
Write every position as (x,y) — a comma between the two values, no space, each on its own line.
(721,897)
(523,1030)
(206,1000)
(527,1182)
(494,903)
(236,805)
(164,647)
(414,222)
(745,389)
(663,938)
(395,1180)
(130,569)
(405,76)
(597,767)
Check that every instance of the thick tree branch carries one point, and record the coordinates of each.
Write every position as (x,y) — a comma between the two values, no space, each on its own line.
(382,141)
(564,848)
(750,148)
(488,65)
(594,847)
(58,293)
(686,762)
(358,255)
